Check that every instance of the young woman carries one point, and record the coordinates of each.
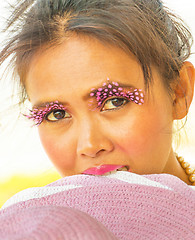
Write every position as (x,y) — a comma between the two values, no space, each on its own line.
(106,80)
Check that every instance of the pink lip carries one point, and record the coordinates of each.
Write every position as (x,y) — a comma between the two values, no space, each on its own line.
(100,170)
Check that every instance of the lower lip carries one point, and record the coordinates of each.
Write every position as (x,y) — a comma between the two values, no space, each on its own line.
(100,170)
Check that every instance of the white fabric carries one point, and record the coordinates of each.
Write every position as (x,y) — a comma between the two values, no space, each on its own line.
(38,192)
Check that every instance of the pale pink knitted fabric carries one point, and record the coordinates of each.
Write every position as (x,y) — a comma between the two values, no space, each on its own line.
(128,205)
(52,222)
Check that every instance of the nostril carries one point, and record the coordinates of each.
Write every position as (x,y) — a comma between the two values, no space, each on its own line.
(93,154)
(100,152)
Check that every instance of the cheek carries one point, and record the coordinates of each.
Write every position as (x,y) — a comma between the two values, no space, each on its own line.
(59,151)
(141,135)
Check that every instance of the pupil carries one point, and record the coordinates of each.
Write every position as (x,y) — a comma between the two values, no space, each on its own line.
(59,114)
(117,102)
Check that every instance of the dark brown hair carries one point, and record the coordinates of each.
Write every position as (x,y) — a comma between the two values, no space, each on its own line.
(143,27)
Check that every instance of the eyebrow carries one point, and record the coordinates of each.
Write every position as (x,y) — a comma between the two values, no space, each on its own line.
(85,96)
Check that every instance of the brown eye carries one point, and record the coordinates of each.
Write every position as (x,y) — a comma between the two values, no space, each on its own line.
(117,102)
(56,115)
(114,103)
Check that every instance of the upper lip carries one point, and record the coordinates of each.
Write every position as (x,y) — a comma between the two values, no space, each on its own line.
(102,169)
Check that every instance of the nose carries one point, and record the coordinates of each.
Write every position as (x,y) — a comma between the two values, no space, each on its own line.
(92,139)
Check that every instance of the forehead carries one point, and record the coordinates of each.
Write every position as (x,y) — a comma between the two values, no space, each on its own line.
(78,65)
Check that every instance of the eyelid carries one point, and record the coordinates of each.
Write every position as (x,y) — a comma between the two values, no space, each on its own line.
(112,98)
(57,120)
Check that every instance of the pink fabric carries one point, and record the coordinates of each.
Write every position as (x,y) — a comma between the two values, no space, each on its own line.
(52,222)
(131,207)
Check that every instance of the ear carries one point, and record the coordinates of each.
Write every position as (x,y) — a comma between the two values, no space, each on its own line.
(184,91)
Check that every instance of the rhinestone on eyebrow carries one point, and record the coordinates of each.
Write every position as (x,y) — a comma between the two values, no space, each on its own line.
(110,89)
(38,114)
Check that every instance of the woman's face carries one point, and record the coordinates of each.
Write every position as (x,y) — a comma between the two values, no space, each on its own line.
(117,132)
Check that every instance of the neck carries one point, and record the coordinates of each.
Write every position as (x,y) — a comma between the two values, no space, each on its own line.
(173,167)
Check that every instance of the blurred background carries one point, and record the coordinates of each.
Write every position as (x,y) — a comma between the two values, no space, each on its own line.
(23,162)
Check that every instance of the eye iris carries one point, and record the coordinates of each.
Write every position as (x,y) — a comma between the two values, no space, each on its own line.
(59,114)
(117,102)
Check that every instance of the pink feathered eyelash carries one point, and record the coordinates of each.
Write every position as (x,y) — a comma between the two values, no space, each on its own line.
(108,89)
(38,115)
(113,89)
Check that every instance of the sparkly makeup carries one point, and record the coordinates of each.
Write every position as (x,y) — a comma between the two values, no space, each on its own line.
(39,114)
(114,89)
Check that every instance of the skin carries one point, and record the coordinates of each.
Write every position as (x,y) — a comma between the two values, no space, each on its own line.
(133,135)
